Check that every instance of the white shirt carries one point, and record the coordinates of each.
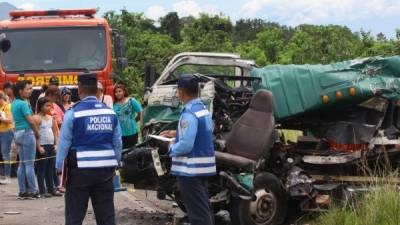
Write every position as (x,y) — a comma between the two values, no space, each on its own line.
(106,100)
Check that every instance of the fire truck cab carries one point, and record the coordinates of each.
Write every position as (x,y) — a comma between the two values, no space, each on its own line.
(61,43)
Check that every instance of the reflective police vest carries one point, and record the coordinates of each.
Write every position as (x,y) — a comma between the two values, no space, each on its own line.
(93,128)
(201,160)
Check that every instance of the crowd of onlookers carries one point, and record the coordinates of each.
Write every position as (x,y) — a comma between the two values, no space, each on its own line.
(29,136)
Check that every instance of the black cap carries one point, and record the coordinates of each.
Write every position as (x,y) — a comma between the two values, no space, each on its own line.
(189,82)
(65,91)
(89,79)
(54,80)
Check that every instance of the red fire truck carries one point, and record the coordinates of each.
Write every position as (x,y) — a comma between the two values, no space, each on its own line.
(61,43)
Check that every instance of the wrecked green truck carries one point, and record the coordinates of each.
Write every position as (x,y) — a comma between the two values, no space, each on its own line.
(286,137)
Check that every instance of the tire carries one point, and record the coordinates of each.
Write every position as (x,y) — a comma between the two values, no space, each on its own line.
(269,207)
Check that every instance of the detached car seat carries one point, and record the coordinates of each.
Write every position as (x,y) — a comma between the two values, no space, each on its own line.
(252,136)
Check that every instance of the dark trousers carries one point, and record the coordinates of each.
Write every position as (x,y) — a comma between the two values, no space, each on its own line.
(96,184)
(56,181)
(195,197)
(45,169)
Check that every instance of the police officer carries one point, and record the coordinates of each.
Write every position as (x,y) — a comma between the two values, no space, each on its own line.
(90,143)
(193,158)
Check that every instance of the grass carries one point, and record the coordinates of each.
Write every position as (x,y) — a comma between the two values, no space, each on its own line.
(378,207)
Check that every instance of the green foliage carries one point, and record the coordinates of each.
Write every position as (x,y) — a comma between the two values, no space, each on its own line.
(155,42)
(207,33)
(379,207)
(170,25)
(250,50)
(321,44)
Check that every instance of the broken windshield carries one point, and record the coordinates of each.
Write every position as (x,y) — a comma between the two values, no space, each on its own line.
(50,49)
(202,69)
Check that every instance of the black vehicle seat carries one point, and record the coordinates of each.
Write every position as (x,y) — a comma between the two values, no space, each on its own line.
(252,135)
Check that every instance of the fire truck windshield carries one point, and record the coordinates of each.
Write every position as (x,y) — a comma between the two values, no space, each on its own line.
(55,49)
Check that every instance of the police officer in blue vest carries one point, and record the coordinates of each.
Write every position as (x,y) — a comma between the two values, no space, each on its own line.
(90,143)
(193,158)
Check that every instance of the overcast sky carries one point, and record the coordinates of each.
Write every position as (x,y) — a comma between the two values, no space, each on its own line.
(370,15)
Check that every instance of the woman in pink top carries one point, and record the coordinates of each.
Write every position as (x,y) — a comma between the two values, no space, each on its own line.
(53,94)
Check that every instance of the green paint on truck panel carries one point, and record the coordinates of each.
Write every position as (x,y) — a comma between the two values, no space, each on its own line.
(300,88)
(162,113)
(245,179)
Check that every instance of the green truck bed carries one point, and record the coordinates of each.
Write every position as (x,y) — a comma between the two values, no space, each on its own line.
(299,89)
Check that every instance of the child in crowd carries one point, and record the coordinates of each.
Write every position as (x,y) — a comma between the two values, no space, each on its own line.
(46,148)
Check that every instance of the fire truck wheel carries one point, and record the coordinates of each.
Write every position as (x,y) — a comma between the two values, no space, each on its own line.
(268,207)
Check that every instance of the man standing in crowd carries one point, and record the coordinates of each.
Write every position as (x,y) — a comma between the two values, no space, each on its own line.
(106,99)
(193,158)
(90,141)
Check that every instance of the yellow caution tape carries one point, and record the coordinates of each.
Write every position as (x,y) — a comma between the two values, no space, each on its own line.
(33,160)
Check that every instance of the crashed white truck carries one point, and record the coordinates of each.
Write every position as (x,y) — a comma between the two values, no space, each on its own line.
(286,136)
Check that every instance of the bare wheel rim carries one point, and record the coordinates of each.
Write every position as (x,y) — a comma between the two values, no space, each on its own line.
(263,209)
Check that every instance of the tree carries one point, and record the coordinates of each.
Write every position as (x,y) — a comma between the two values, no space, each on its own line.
(397,42)
(143,45)
(170,24)
(321,44)
(250,50)
(381,37)
(265,42)
(380,46)
(271,42)
(247,29)
(207,33)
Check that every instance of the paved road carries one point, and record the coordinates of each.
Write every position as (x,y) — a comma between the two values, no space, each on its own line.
(133,207)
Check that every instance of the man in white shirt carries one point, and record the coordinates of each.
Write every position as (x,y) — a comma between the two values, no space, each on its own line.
(106,99)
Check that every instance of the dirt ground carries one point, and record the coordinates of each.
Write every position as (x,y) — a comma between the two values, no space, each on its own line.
(132,207)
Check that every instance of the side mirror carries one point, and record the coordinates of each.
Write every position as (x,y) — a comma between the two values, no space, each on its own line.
(119,49)
(5,44)
(150,76)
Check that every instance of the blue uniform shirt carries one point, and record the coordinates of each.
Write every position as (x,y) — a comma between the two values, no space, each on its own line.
(187,126)
(65,139)
(193,153)
(187,134)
